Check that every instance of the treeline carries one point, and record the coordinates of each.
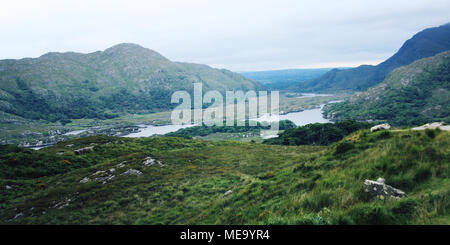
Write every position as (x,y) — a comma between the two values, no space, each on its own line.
(207,130)
(317,133)
(31,105)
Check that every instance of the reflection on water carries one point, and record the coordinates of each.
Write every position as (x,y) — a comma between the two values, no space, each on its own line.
(149,130)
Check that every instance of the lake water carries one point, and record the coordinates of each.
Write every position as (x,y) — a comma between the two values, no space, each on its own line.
(299,118)
(149,130)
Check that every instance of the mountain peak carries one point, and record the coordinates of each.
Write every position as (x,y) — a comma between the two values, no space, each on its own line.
(124,46)
(132,49)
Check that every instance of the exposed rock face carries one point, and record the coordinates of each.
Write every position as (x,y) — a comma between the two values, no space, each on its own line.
(84,150)
(149,161)
(381,190)
(132,172)
(384,126)
(435,125)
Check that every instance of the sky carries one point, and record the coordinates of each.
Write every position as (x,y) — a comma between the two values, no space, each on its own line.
(243,35)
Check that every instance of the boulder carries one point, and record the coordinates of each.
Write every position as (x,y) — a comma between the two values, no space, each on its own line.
(227,193)
(85,180)
(384,126)
(148,161)
(132,172)
(84,150)
(381,190)
(8,187)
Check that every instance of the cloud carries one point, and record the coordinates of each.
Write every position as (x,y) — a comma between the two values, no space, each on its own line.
(238,35)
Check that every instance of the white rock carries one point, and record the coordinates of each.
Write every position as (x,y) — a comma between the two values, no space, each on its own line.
(132,172)
(85,180)
(381,180)
(380,127)
(227,193)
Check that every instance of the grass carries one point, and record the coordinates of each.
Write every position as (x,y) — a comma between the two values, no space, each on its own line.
(270,184)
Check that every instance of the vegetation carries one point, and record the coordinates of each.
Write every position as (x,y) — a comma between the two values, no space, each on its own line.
(101,85)
(426,43)
(317,133)
(207,130)
(270,184)
(283,79)
(411,95)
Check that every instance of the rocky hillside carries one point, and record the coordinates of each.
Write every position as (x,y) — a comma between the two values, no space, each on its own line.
(424,44)
(166,180)
(125,77)
(410,95)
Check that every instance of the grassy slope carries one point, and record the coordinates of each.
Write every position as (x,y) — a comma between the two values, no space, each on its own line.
(270,184)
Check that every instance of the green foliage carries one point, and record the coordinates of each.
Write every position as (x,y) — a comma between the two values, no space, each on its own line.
(271,184)
(207,130)
(408,97)
(317,133)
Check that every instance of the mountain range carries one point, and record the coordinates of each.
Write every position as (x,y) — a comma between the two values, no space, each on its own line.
(411,95)
(426,43)
(125,77)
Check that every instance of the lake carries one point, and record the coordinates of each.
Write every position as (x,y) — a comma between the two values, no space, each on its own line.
(299,118)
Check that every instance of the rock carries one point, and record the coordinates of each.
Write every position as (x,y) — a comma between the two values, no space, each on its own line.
(99,172)
(227,193)
(132,172)
(112,170)
(18,216)
(384,126)
(8,187)
(381,190)
(84,150)
(105,179)
(434,125)
(121,165)
(85,180)
(148,161)
(69,145)
(380,180)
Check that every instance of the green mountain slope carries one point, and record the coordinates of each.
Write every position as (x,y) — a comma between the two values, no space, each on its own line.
(125,77)
(284,79)
(187,181)
(410,95)
(424,44)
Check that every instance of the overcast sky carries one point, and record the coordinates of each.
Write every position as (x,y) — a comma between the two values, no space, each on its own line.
(238,35)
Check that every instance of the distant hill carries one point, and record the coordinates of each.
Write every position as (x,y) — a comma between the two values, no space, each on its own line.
(283,79)
(410,95)
(424,44)
(123,78)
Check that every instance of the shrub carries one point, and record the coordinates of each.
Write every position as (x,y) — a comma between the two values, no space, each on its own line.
(422,175)
(343,147)
(371,215)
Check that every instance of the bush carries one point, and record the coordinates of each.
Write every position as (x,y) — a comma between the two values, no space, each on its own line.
(422,175)
(371,215)
(343,147)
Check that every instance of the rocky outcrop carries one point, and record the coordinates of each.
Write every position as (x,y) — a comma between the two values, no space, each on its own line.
(84,150)
(435,125)
(384,126)
(382,191)
(149,161)
(132,172)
